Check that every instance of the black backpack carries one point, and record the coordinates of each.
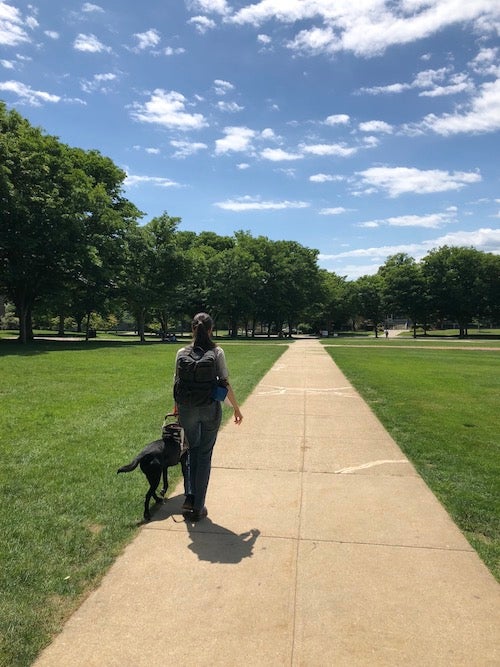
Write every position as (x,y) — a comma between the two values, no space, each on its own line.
(196,377)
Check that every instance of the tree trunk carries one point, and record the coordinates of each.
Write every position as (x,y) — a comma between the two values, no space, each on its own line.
(23,310)
(61,325)
(87,327)
(141,323)
(163,319)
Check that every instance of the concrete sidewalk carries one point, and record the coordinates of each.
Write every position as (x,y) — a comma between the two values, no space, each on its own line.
(323,546)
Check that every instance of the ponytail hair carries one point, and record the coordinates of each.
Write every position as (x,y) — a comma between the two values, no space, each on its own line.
(202,326)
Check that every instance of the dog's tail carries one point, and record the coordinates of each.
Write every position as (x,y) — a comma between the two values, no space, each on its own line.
(129,467)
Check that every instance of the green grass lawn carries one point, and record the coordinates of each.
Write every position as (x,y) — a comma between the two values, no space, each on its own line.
(405,339)
(72,413)
(442,408)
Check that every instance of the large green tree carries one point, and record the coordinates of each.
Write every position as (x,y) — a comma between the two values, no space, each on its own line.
(62,220)
(459,281)
(300,280)
(43,196)
(369,299)
(153,269)
(233,276)
(92,284)
(336,302)
(405,291)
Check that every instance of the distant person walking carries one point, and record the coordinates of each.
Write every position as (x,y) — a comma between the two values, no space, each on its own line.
(197,368)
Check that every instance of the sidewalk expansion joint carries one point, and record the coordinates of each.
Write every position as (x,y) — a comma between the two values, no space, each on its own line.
(414,547)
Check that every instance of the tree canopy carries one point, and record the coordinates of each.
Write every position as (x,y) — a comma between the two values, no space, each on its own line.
(72,245)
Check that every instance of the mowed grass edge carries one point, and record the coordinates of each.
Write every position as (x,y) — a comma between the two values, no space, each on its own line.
(72,413)
(441,407)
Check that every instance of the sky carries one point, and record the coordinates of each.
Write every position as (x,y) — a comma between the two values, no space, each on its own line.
(359,128)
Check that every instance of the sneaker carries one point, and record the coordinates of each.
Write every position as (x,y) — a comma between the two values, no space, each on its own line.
(197,515)
(187,505)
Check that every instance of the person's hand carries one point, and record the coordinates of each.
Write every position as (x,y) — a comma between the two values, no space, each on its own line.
(238,417)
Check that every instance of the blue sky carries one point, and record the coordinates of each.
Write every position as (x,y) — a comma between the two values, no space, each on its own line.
(360,128)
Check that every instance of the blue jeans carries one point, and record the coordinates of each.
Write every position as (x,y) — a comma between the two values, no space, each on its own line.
(201,426)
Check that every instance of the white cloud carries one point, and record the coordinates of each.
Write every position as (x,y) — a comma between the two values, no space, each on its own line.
(147,40)
(211,6)
(51,34)
(8,64)
(32,23)
(167,108)
(248,203)
(400,180)
(187,148)
(222,87)
(325,178)
(237,139)
(202,24)
(243,165)
(333,211)
(458,83)
(370,224)
(315,41)
(279,155)
(134,180)
(431,82)
(340,150)
(27,95)
(428,78)
(89,44)
(369,28)
(485,239)
(229,107)
(393,88)
(337,119)
(268,133)
(98,82)
(376,126)
(12,31)
(429,221)
(288,172)
(483,114)
(170,51)
(486,62)
(89,7)
(264,39)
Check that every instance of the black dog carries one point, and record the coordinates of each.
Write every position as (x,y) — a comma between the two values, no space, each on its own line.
(155,460)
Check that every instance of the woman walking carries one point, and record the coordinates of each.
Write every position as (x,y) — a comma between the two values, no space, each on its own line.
(199,368)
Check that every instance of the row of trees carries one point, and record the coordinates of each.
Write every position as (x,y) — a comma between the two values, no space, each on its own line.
(71,245)
(460,285)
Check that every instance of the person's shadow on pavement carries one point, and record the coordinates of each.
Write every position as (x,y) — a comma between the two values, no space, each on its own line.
(209,541)
(216,544)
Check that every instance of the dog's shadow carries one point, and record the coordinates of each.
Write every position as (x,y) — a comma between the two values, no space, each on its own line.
(210,541)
